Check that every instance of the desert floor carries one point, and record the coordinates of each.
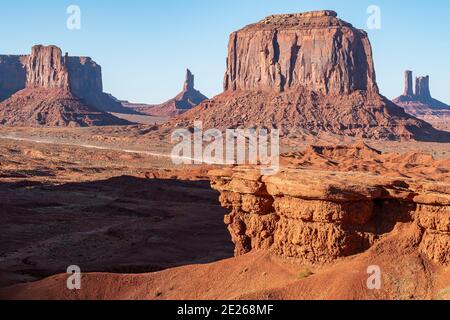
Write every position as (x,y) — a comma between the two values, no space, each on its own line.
(111,201)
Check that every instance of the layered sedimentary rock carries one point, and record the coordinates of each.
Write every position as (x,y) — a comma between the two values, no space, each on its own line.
(47,67)
(13,75)
(305,73)
(421,104)
(315,50)
(184,101)
(57,91)
(320,216)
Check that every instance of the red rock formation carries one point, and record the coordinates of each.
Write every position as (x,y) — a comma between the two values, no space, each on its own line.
(421,104)
(304,74)
(46,67)
(184,101)
(48,99)
(315,50)
(408,84)
(320,216)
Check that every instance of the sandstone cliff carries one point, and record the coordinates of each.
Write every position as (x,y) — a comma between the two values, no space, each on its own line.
(53,90)
(13,75)
(305,74)
(314,50)
(47,67)
(320,216)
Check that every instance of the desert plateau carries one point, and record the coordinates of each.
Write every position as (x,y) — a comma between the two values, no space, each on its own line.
(174,200)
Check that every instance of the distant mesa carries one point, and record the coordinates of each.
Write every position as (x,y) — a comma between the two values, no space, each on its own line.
(419,102)
(305,74)
(188,98)
(46,88)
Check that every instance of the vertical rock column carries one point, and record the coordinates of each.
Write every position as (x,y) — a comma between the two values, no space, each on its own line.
(423,87)
(408,84)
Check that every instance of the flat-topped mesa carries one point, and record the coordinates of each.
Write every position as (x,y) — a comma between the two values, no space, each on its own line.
(315,50)
(47,68)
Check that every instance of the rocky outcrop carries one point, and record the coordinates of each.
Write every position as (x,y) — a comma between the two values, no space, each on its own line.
(420,103)
(408,84)
(184,101)
(320,216)
(57,91)
(305,74)
(314,50)
(47,67)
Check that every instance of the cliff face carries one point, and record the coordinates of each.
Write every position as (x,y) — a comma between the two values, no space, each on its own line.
(305,74)
(13,75)
(320,216)
(46,67)
(315,50)
(49,89)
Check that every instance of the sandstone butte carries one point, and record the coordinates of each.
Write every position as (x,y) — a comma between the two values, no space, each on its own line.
(46,88)
(305,73)
(187,99)
(418,101)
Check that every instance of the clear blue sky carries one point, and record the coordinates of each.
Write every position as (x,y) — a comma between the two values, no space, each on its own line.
(144,46)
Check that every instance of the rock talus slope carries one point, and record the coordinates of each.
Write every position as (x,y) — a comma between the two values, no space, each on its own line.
(304,74)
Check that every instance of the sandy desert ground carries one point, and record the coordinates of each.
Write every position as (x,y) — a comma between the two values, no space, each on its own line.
(101,198)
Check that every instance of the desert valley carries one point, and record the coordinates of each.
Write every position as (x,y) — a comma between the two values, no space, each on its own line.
(363,184)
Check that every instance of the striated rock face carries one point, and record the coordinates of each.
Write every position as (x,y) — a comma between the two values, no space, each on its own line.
(319,216)
(305,74)
(47,68)
(184,101)
(315,50)
(49,89)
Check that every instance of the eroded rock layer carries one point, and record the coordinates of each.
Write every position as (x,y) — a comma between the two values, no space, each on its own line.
(320,216)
